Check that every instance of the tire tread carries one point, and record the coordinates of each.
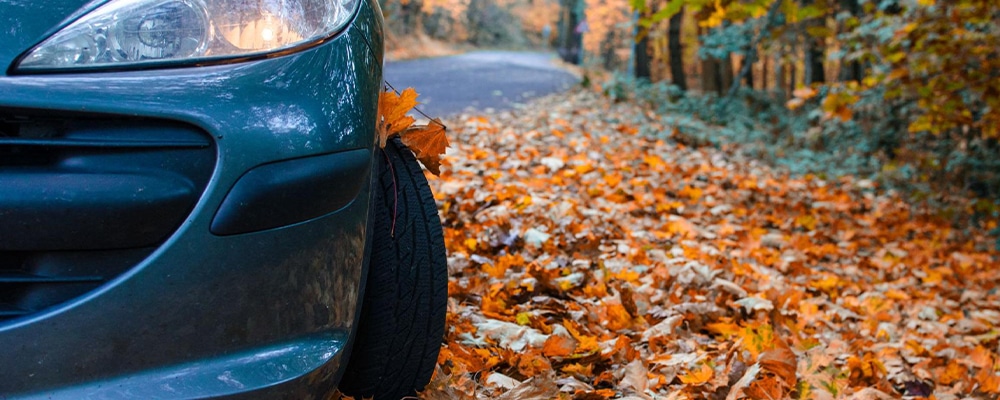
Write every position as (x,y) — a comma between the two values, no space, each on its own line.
(403,311)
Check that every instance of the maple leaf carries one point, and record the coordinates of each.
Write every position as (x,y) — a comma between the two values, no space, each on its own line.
(392,113)
(428,143)
(698,376)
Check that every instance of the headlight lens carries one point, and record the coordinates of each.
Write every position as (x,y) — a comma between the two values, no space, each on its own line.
(125,33)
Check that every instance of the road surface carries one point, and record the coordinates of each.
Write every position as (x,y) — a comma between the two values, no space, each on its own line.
(478,80)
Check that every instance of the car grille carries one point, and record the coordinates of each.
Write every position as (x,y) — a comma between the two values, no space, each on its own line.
(83,198)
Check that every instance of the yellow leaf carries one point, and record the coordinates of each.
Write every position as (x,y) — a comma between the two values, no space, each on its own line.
(756,338)
(494,271)
(585,343)
(806,221)
(698,376)
(654,161)
(523,318)
(392,110)
(579,369)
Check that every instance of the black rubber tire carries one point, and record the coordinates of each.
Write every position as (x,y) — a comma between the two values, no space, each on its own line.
(403,311)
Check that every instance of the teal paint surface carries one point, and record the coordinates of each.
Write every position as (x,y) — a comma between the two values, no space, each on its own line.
(24,23)
(202,299)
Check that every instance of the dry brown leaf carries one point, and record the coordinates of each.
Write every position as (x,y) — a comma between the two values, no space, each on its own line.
(635,377)
(428,143)
(781,362)
(748,377)
(614,232)
(542,387)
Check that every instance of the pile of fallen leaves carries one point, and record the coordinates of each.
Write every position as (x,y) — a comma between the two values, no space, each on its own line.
(589,260)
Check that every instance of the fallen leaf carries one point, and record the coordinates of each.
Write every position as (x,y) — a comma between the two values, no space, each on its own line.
(635,377)
(698,376)
(428,143)
(558,346)
(537,388)
(748,377)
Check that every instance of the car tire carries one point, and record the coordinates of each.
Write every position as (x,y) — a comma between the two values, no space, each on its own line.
(403,311)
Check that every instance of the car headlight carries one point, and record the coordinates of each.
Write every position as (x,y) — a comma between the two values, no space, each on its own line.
(128,33)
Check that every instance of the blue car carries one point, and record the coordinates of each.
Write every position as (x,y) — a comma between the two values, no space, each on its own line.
(193,205)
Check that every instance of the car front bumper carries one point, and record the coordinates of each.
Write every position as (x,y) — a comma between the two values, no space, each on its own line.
(248,295)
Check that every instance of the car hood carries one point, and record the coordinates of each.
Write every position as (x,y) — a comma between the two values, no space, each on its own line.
(24,23)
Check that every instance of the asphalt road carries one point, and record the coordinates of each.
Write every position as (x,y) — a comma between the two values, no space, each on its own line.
(478,80)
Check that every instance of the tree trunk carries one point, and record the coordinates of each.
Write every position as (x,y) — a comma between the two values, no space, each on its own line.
(815,71)
(779,76)
(792,72)
(746,69)
(709,75)
(608,51)
(763,72)
(715,76)
(676,51)
(851,71)
(726,74)
(642,58)
(570,41)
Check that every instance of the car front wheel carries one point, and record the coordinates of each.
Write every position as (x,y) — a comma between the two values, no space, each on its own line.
(403,311)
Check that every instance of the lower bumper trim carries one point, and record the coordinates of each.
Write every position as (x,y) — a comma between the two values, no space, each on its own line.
(232,374)
(287,192)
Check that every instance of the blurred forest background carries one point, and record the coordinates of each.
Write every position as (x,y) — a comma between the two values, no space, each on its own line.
(906,92)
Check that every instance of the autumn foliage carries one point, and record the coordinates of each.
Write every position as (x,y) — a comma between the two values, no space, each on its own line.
(910,86)
(590,258)
(427,141)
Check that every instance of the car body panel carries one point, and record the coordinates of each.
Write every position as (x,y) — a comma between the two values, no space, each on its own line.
(26,22)
(207,304)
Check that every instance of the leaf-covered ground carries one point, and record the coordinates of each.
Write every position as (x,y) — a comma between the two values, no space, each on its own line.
(589,260)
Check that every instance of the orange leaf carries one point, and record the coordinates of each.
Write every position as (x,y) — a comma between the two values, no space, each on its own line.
(392,110)
(698,377)
(558,346)
(726,329)
(428,143)
(579,369)
(989,381)
(494,271)
(616,317)
(954,372)
(586,343)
